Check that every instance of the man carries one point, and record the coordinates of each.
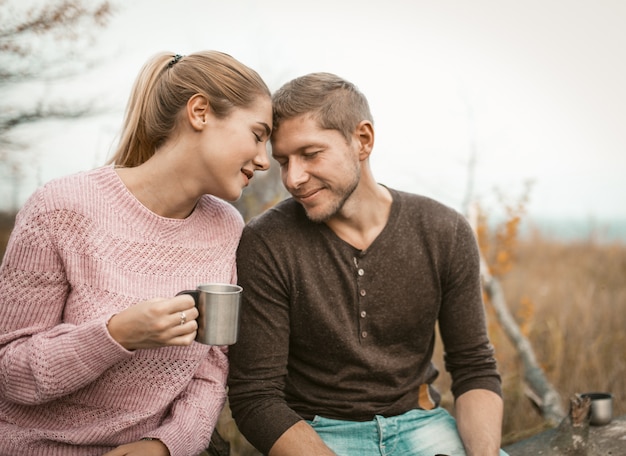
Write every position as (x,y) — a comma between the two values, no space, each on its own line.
(343,286)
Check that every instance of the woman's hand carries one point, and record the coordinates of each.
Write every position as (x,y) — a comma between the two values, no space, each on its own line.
(156,323)
(140,448)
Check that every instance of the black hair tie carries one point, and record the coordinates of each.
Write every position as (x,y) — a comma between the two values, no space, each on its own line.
(174,61)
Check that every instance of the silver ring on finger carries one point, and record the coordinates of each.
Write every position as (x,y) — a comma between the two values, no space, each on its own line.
(183,318)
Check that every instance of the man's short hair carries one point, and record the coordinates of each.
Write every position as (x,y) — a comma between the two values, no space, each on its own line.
(336,104)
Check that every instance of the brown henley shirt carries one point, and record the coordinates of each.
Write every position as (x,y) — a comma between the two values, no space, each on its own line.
(334,331)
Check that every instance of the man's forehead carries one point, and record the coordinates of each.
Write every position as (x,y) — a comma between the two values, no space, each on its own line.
(307,119)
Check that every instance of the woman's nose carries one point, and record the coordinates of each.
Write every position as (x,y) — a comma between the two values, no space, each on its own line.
(262,161)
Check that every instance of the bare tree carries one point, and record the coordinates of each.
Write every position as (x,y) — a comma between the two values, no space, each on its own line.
(44,41)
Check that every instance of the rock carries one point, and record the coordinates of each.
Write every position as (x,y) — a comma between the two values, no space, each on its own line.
(575,437)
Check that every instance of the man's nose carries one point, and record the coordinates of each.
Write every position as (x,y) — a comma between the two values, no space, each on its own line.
(294,174)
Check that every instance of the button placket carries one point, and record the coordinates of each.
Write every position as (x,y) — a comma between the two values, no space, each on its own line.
(362,293)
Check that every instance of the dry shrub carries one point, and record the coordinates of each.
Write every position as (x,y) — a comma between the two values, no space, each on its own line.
(569,300)
(577,327)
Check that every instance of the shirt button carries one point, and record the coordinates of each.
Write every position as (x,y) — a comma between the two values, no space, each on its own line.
(362,293)
(364,334)
(363,314)
(361,272)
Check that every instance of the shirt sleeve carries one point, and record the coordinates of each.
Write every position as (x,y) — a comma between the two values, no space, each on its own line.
(42,358)
(259,359)
(469,356)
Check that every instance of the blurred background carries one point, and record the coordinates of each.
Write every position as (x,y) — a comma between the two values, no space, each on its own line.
(515,109)
(467,97)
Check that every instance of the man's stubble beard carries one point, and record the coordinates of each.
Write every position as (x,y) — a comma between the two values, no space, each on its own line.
(338,205)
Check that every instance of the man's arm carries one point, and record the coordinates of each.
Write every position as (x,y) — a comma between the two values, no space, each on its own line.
(300,440)
(479,420)
(259,359)
(469,356)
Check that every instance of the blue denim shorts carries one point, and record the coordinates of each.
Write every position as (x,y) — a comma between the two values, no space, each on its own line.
(415,433)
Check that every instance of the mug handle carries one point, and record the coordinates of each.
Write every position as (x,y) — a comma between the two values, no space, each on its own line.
(195,294)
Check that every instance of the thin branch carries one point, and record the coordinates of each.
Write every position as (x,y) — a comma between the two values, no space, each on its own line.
(543,394)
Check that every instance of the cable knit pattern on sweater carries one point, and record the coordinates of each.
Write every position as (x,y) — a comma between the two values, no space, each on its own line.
(83,248)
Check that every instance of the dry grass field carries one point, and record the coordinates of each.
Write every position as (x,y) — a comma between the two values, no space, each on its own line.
(569,299)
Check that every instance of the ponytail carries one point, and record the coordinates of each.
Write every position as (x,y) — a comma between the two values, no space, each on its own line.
(161,91)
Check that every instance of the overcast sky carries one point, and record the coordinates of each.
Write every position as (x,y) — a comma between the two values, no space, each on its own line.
(536,86)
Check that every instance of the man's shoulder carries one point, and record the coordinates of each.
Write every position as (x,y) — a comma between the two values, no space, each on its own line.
(284,228)
(285,215)
(416,205)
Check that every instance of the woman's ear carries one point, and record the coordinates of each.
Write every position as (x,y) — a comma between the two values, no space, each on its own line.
(197,111)
(364,134)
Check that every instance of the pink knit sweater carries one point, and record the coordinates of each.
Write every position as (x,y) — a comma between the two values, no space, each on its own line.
(83,248)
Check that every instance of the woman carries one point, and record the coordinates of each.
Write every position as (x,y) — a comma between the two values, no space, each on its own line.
(97,356)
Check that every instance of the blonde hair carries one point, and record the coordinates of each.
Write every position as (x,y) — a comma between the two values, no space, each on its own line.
(161,91)
(336,104)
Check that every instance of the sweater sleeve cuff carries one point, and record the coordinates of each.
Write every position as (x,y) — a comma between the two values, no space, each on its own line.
(487,383)
(264,430)
(103,348)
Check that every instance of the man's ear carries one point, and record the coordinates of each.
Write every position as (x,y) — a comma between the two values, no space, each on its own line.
(197,111)
(364,134)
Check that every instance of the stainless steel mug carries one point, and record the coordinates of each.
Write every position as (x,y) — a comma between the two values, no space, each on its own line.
(601,411)
(218,307)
